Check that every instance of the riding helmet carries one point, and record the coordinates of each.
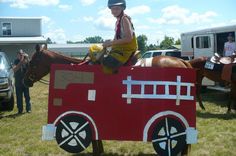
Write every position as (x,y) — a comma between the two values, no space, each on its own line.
(112,3)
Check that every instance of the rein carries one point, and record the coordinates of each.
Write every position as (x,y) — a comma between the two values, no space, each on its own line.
(46,82)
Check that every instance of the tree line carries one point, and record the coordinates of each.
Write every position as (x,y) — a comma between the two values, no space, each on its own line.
(143,46)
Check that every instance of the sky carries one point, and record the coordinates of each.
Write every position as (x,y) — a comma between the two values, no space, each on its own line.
(75,20)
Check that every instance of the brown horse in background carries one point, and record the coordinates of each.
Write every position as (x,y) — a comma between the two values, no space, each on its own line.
(42,59)
(163,62)
(199,65)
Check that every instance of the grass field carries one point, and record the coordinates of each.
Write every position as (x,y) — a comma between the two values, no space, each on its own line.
(20,135)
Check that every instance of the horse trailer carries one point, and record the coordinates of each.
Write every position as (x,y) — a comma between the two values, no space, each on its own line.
(206,42)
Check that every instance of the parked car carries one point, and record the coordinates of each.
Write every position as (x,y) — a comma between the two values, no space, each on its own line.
(6,83)
(167,52)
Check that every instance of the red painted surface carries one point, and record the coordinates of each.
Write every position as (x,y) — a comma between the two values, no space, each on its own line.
(114,118)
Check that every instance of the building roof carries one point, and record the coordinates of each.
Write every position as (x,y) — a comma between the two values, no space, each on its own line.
(75,46)
(12,40)
(212,30)
(70,49)
(2,17)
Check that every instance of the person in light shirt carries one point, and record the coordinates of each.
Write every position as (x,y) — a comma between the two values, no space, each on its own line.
(124,43)
(230,46)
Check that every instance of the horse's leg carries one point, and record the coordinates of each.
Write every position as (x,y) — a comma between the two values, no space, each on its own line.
(233,96)
(97,147)
(198,89)
(186,151)
(100,146)
(229,101)
(199,97)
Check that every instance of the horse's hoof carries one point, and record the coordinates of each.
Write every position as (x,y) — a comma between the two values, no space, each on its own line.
(203,108)
(233,111)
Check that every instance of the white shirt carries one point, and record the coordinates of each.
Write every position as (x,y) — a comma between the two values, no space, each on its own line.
(229,47)
(122,33)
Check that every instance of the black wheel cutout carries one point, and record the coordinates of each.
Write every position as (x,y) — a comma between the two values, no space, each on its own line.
(169,137)
(73,133)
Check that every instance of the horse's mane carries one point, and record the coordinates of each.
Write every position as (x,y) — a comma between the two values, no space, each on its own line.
(198,62)
(56,56)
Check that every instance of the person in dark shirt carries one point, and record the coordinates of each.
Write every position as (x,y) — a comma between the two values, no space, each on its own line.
(19,67)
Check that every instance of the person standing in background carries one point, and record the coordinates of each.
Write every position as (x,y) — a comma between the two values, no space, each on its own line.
(19,68)
(230,46)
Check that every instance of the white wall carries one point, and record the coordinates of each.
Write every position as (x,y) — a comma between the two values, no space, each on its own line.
(23,27)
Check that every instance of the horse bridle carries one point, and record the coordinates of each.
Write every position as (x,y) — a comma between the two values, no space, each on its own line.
(32,74)
(43,81)
(32,77)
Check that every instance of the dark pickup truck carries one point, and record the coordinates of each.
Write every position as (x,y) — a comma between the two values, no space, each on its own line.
(6,84)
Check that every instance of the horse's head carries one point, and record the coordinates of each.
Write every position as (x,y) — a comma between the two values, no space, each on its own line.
(38,67)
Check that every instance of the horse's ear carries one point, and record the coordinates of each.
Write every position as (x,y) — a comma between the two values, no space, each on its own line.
(37,48)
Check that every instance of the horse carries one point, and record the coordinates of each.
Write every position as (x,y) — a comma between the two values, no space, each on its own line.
(199,65)
(39,66)
(40,63)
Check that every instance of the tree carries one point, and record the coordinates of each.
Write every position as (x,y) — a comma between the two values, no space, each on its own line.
(71,42)
(49,41)
(152,47)
(142,43)
(178,42)
(167,42)
(95,39)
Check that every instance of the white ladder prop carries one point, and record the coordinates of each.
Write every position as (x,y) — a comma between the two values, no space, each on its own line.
(129,82)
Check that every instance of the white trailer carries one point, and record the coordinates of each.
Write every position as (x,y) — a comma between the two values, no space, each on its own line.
(206,42)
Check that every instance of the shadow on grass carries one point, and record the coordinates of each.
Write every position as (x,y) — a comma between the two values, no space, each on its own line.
(219,103)
(112,154)
(218,98)
(224,116)
(10,115)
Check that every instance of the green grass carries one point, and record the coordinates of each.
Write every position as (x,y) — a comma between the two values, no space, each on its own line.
(21,134)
